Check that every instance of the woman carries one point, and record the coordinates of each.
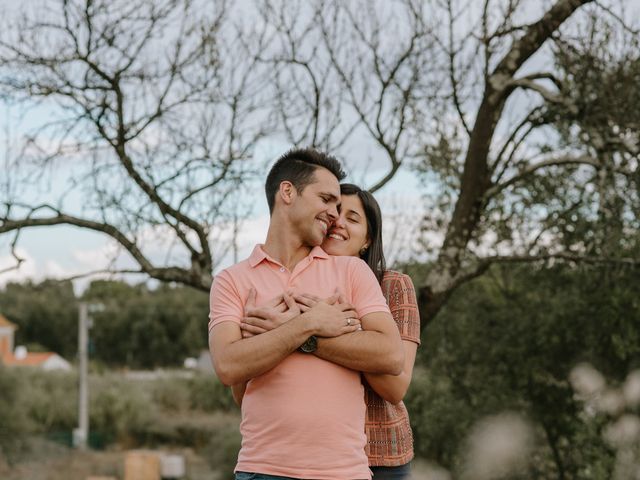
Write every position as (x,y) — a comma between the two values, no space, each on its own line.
(358,232)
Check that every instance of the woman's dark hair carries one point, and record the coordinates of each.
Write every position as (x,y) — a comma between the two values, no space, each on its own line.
(298,166)
(374,255)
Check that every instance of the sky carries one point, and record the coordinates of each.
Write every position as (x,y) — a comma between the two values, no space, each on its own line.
(66,251)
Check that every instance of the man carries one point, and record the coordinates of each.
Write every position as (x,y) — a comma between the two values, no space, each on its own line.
(303,411)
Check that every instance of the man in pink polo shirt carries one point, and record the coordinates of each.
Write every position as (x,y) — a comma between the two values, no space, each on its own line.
(303,410)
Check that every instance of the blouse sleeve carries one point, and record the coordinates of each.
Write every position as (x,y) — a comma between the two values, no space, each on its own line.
(401,296)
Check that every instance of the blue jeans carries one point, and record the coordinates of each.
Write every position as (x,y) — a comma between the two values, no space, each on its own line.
(260,476)
(402,472)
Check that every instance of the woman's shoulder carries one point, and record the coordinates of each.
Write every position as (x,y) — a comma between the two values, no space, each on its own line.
(394,280)
(390,275)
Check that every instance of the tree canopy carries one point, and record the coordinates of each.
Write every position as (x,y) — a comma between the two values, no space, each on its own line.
(519,117)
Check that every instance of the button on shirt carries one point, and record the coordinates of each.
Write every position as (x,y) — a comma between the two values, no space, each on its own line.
(305,417)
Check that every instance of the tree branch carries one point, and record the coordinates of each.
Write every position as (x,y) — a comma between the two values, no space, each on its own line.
(552,162)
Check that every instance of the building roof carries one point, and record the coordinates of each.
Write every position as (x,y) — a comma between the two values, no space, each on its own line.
(32,359)
(6,323)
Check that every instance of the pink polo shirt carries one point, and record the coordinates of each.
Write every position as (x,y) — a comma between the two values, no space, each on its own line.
(305,417)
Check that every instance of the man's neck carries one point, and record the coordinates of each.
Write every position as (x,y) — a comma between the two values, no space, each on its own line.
(285,247)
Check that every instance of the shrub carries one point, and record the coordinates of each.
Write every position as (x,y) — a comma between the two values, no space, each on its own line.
(209,395)
(222,450)
(14,422)
(120,409)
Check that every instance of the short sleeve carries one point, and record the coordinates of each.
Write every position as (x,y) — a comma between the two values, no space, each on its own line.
(401,296)
(366,293)
(225,303)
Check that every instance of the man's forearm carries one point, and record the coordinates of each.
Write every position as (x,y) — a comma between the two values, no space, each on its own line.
(242,359)
(365,351)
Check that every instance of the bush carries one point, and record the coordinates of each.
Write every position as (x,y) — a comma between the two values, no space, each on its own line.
(14,422)
(51,399)
(170,410)
(209,395)
(120,409)
(222,450)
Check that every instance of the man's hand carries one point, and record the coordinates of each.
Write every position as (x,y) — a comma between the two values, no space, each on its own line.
(274,313)
(330,318)
(306,301)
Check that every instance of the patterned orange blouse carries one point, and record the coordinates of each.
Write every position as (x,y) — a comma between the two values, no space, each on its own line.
(389,437)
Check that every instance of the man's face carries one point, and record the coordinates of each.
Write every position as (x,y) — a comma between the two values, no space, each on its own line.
(315,209)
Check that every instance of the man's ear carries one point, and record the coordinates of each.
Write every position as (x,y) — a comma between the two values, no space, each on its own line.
(287,192)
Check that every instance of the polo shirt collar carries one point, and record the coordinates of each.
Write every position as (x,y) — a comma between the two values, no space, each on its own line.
(258,255)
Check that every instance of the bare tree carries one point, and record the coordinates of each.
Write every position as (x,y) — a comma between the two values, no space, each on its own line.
(156,107)
(484,104)
(512,111)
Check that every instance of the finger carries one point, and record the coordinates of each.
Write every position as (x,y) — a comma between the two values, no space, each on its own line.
(351,321)
(264,313)
(256,312)
(302,300)
(274,302)
(303,308)
(350,313)
(291,303)
(253,329)
(251,299)
(355,321)
(246,334)
(255,322)
(332,299)
(311,297)
(349,329)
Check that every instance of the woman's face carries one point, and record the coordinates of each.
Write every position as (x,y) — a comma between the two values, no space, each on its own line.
(349,234)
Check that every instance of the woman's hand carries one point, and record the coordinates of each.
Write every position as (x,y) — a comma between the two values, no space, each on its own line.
(331,317)
(271,315)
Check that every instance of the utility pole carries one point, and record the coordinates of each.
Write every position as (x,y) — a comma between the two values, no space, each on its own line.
(81,434)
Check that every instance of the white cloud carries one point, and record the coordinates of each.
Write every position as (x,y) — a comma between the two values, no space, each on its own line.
(27,267)
(30,269)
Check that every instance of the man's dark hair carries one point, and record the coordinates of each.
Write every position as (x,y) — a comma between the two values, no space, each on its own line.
(298,166)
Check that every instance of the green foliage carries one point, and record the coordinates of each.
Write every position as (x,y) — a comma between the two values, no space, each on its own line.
(50,399)
(14,422)
(507,341)
(45,314)
(222,450)
(167,410)
(140,327)
(120,409)
(202,393)
(207,394)
(144,328)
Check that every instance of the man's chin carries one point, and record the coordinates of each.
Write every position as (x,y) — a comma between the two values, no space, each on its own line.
(316,241)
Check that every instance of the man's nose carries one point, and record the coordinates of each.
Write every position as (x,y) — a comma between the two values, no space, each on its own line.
(333,213)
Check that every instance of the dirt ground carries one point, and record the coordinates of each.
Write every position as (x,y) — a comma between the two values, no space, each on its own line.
(56,462)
